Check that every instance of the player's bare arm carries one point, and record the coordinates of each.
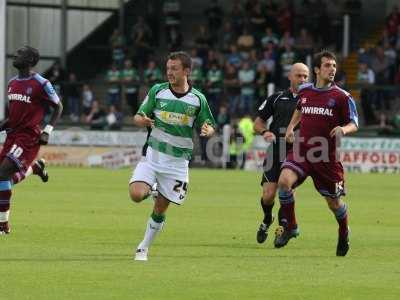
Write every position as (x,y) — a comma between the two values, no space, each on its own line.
(56,114)
(259,127)
(344,130)
(207,130)
(293,123)
(143,121)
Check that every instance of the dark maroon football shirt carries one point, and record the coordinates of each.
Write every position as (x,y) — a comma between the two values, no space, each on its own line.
(28,98)
(321,111)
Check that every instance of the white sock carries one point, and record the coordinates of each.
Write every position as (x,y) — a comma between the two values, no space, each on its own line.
(28,172)
(4,216)
(151,231)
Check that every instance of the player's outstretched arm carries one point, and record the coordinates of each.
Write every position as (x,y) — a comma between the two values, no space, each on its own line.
(293,123)
(143,121)
(56,114)
(259,127)
(344,130)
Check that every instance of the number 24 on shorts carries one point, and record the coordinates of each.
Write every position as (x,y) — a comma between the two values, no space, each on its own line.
(181,188)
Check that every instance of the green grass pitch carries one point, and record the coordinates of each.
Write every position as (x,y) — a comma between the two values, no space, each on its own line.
(74,237)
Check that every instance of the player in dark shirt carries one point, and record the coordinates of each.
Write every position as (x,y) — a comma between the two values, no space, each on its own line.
(28,95)
(280,106)
(325,113)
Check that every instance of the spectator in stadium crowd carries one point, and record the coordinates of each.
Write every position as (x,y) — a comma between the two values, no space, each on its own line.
(287,38)
(262,79)
(256,20)
(131,82)
(87,100)
(319,16)
(174,39)
(214,81)
(390,53)
(269,37)
(380,64)
(227,37)
(245,43)
(234,57)
(395,122)
(57,77)
(196,59)
(364,55)
(287,59)
(141,43)
(202,42)
(153,22)
(397,42)
(334,9)
(114,89)
(96,119)
(394,14)
(253,59)
(397,78)
(152,74)
(304,44)
(246,127)
(248,5)
(72,93)
(267,64)
(236,141)
(354,9)
(141,28)
(285,17)
(117,44)
(341,76)
(247,77)
(114,118)
(271,12)
(172,13)
(237,16)
(366,78)
(197,77)
(386,38)
(231,87)
(223,117)
(391,27)
(214,14)
(274,51)
(213,57)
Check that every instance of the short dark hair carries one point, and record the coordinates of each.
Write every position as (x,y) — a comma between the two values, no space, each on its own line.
(185,58)
(324,53)
(34,55)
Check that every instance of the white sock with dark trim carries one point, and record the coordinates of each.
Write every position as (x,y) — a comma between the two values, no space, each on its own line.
(4,215)
(154,226)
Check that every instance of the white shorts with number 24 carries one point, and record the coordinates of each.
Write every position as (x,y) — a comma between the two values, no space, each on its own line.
(170,173)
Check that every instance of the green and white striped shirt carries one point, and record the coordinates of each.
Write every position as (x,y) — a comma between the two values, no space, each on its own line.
(174,119)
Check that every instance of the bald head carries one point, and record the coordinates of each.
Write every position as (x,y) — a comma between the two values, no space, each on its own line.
(299,67)
(299,74)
